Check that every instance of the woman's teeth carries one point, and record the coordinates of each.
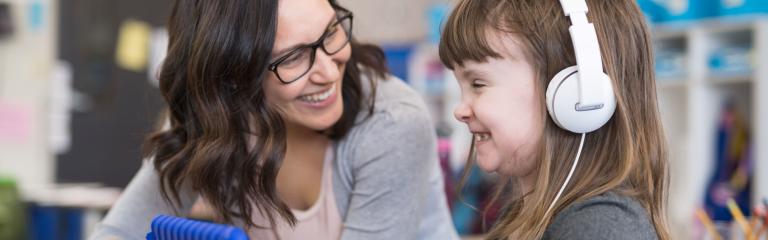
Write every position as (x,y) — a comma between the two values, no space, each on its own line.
(480,137)
(319,97)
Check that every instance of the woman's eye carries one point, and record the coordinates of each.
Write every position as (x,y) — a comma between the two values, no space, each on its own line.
(332,30)
(292,59)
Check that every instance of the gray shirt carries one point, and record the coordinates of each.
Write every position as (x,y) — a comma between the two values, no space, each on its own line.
(386,178)
(606,216)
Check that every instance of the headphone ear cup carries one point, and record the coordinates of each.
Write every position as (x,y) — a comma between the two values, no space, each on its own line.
(552,88)
(562,96)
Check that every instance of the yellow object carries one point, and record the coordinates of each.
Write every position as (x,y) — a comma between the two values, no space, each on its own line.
(754,226)
(133,45)
(704,218)
(739,216)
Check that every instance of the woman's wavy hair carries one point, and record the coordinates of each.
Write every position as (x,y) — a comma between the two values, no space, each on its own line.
(212,81)
(627,155)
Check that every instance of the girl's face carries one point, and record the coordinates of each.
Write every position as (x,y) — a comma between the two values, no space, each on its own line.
(313,101)
(500,106)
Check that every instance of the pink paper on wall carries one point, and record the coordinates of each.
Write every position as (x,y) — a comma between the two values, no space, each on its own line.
(15,123)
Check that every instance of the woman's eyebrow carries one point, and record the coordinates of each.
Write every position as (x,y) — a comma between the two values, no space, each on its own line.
(298,45)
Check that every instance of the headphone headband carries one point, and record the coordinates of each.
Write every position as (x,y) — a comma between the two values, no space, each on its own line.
(588,58)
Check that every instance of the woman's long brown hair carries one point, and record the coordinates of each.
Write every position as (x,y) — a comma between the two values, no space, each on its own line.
(627,155)
(212,81)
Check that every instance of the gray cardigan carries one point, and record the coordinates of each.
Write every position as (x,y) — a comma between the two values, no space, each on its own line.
(386,178)
(606,216)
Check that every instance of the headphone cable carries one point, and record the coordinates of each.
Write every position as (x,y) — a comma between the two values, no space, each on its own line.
(568,179)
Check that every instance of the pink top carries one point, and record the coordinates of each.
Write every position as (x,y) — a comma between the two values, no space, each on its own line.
(320,222)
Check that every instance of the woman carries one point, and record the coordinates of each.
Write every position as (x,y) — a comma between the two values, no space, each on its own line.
(286,126)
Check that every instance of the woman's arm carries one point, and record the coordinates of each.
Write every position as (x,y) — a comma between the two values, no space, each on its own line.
(392,158)
(132,214)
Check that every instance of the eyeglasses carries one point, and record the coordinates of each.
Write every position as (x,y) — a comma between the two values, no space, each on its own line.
(297,62)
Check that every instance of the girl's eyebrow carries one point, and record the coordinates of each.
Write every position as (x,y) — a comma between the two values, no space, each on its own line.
(471,73)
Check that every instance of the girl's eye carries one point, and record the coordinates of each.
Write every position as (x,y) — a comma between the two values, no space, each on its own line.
(477,84)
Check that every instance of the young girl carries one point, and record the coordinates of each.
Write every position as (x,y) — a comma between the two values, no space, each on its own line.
(567,181)
(286,126)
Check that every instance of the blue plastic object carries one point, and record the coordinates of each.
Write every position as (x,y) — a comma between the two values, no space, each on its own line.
(651,9)
(679,10)
(175,228)
(731,60)
(437,15)
(397,59)
(740,7)
(44,222)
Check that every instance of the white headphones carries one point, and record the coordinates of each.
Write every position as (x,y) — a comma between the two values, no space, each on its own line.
(580,98)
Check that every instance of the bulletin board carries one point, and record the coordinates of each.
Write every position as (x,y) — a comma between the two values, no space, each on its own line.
(116,107)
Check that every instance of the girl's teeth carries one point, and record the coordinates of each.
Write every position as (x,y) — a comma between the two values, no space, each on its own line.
(482,137)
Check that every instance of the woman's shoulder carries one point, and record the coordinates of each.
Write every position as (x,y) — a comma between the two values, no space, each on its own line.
(396,104)
(610,215)
(392,92)
(399,122)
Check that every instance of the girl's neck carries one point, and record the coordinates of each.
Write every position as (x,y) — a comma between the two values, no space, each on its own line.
(527,183)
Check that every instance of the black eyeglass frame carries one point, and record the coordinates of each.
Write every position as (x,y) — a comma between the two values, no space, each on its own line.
(344,14)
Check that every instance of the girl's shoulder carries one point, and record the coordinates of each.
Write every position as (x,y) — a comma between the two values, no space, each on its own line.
(610,215)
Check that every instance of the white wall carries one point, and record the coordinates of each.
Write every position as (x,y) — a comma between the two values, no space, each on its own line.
(390,21)
(26,61)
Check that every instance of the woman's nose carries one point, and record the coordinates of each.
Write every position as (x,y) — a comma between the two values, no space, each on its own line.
(326,68)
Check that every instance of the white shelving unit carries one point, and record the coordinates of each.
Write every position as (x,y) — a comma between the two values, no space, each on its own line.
(691,100)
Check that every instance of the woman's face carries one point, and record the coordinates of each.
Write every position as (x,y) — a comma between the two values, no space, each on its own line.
(500,106)
(313,101)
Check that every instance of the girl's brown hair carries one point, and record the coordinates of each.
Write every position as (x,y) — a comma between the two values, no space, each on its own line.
(212,80)
(627,155)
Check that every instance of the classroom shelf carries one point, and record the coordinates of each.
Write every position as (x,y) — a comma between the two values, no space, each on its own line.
(671,83)
(690,106)
(731,79)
